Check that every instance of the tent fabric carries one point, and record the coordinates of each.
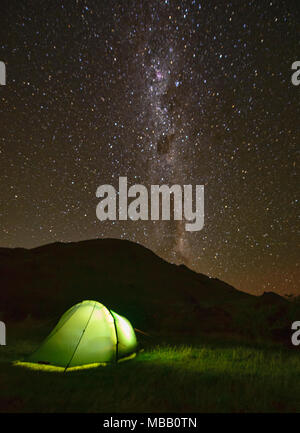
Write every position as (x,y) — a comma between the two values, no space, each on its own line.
(87,333)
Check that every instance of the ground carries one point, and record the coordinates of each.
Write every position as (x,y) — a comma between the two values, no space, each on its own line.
(170,374)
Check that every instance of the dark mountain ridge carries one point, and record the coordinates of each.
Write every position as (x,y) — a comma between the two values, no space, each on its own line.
(155,295)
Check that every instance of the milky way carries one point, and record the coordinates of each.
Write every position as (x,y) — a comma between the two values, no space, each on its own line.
(181,92)
(165,120)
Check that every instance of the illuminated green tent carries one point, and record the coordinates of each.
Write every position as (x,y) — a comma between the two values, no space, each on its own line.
(87,333)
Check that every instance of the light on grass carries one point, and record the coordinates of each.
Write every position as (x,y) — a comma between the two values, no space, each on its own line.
(57,369)
(127,358)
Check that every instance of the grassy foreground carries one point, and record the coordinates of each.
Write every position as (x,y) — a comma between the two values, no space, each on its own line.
(202,376)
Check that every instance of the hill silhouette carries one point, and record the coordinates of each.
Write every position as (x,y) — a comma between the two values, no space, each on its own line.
(155,295)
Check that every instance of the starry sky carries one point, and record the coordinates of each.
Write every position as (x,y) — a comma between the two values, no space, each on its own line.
(163,92)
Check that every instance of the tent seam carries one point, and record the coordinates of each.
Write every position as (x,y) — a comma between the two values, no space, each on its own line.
(117,338)
(81,337)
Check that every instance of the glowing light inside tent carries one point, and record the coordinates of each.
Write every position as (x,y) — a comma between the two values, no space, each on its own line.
(126,328)
(88,334)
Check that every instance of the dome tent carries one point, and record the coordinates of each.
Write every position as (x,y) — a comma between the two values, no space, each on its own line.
(87,333)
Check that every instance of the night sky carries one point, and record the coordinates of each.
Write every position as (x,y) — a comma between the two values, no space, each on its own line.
(163,92)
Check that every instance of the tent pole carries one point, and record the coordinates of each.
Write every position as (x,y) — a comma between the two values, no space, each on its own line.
(80,339)
(117,343)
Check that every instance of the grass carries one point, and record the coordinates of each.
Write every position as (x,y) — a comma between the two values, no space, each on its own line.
(204,375)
